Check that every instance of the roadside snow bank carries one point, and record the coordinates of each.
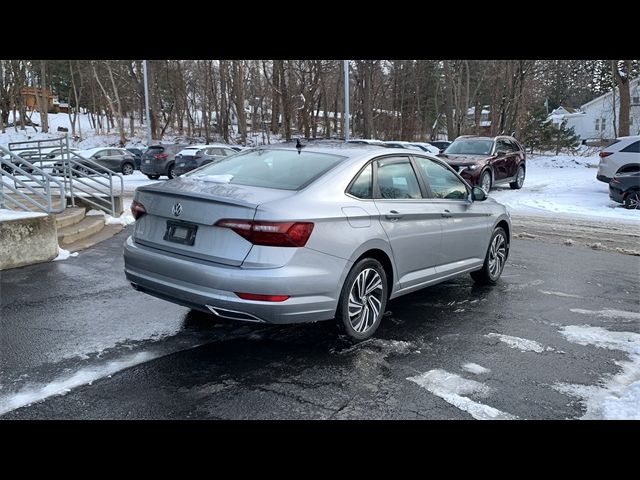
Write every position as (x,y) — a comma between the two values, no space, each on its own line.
(64,254)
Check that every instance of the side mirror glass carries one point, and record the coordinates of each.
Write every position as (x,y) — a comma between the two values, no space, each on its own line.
(478,194)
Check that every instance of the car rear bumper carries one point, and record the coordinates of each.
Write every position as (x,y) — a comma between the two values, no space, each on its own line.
(603,178)
(313,287)
(153,168)
(616,194)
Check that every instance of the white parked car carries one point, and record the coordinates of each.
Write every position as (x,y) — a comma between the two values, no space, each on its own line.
(620,156)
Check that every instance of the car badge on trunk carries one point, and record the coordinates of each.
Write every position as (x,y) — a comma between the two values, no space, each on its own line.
(177,209)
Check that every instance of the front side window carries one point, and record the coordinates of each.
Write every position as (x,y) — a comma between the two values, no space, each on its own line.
(362,186)
(397,180)
(443,182)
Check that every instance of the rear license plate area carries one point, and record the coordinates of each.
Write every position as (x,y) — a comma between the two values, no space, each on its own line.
(180,232)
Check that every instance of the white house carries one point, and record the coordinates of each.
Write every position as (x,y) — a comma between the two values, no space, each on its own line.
(594,119)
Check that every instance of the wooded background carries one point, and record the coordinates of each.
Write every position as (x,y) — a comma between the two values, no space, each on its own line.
(390,99)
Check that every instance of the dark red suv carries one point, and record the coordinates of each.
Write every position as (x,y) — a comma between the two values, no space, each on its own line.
(487,161)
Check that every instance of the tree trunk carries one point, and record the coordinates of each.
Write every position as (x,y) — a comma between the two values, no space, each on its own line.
(622,81)
(44,103)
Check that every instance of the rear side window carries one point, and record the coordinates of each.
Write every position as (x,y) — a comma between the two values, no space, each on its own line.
(397,180)
(271,168)
(633,148)
(362,186)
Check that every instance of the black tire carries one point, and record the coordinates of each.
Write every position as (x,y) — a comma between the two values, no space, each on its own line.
(517,185)
(352,324)
(489,274)
(153,177)
(171,171)
(632,201)
(485,178)
(128,168)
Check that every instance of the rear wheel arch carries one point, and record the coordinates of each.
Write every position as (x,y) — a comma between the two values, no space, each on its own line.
(384,259)
(629,167)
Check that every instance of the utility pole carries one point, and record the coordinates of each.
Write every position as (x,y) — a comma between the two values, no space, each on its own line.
(346,100)
(146,102)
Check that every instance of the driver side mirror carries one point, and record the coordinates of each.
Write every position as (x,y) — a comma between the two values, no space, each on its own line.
(501,152)
(478,194)
(97,156)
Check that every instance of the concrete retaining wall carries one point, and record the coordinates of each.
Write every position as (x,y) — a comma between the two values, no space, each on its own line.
(27,241)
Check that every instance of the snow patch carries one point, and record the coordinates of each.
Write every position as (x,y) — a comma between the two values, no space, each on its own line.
(64,384)
(560,294)
(6,215)
(521,344)
(475,368)
(608,313)
(451,388)
(618,397)
(64,254)
(124,219)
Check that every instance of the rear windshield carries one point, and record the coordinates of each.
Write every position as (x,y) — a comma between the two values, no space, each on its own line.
(470,147)
(155,149)
(281,169)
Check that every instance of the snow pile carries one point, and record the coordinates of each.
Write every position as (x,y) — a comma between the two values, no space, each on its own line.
(563,185)
(619,396)
(452,388)
(125,219)
(64,254)
(521,344)
(6,215)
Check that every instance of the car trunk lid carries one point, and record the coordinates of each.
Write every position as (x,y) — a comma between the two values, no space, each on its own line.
(192,206)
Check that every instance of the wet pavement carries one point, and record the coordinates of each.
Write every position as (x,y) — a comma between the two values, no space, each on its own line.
(78,329)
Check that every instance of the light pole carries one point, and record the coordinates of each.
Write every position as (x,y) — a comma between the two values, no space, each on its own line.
(346,100)
(146,102)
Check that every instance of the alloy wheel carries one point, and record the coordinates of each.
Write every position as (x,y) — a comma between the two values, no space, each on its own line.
(497,255)
(633,201)
(520,178)
(127,169)
(486,182)
(365,300)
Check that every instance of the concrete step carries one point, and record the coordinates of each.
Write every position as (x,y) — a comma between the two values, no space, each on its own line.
(56,202)
(70,216)
(81,230)
(107,232)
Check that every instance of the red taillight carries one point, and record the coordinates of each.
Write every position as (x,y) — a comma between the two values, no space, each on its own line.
(137,209)
(160,156)
(605,154)
(262,298)
(271,234)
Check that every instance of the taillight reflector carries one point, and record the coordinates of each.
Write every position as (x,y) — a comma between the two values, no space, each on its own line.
(262,298)
(604,154)
(137,209)
(271,234)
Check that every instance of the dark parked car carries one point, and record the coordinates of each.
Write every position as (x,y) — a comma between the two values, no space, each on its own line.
(625,188)
(197,155)
(159,160)
(137,155)
(441,144)
(487,161)
(117,160)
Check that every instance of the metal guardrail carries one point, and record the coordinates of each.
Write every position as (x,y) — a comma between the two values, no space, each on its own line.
(53,161)
(29,184)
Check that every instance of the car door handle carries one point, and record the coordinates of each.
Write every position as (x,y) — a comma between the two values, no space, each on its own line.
(447,214)
(394,215)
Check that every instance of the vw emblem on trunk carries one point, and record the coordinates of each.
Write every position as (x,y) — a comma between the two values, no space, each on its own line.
(177,209)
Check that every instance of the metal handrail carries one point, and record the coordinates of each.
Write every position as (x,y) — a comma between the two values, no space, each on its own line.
(42,189)
(78,177)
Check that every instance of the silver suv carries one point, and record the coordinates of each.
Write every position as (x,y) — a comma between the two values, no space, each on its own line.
(620,156)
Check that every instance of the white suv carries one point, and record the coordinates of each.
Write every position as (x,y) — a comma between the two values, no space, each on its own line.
(622,155)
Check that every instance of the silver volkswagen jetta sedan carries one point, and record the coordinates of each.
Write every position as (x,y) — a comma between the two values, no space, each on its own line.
(282,235)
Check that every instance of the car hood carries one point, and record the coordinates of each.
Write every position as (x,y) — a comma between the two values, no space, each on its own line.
(464,159)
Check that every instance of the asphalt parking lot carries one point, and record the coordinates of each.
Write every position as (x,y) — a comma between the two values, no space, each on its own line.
(556,337)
